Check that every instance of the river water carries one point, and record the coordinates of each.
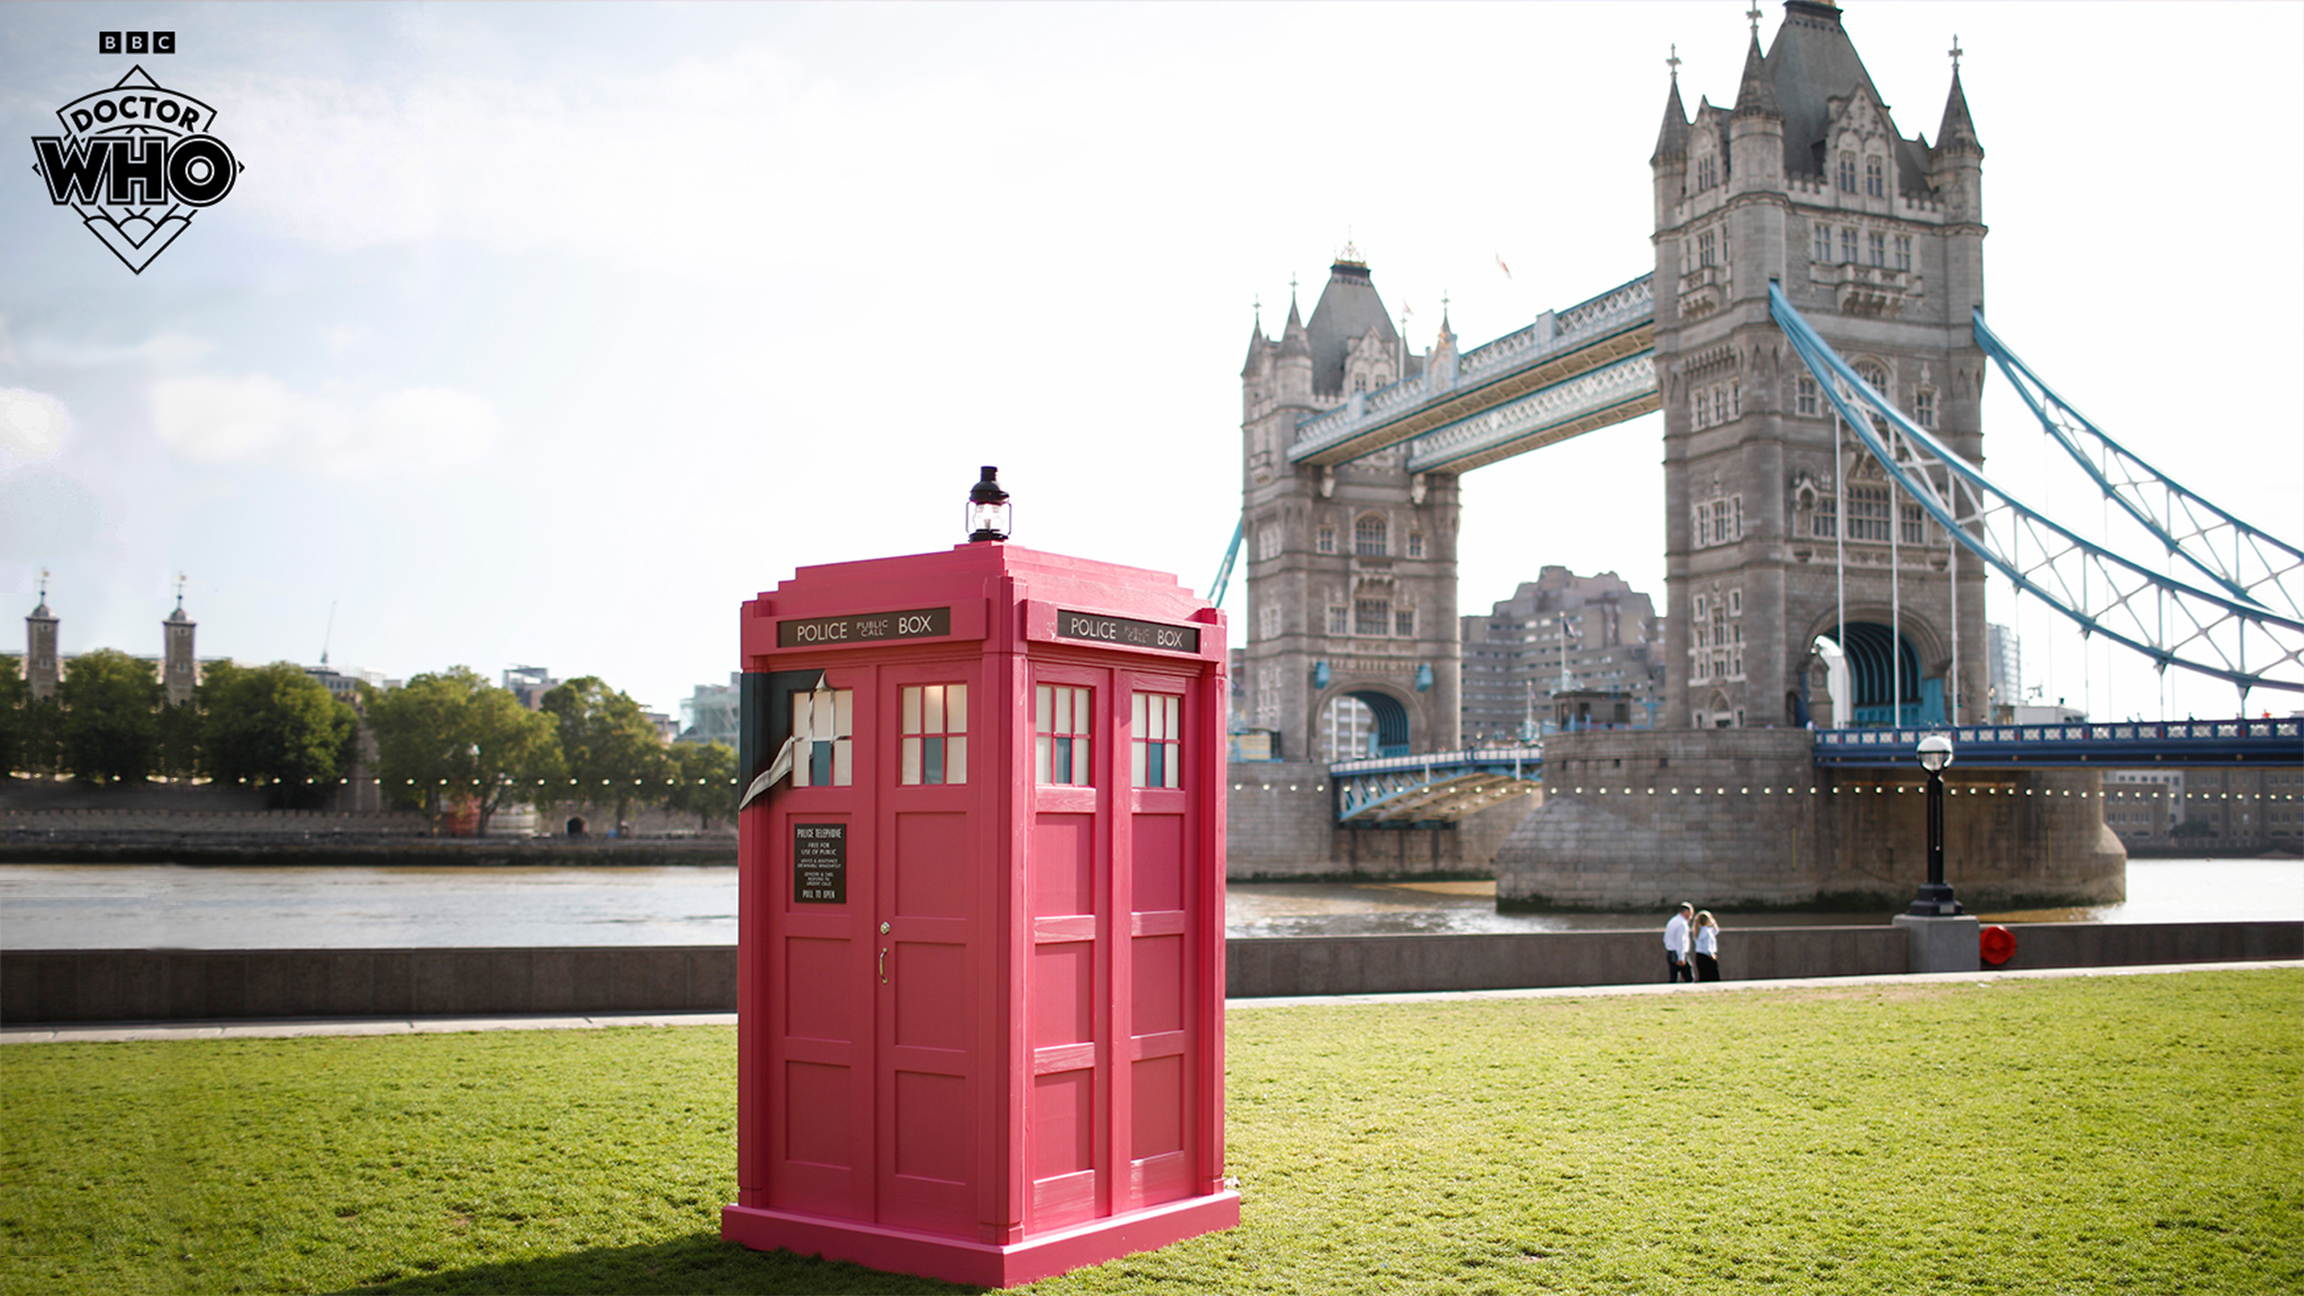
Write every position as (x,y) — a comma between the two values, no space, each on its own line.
(113,906)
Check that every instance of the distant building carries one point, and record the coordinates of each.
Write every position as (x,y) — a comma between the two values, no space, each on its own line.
(179,669)
(530,684)
(43,670)
(710,713)
(2004,660)
(2143,806)
(1593,642)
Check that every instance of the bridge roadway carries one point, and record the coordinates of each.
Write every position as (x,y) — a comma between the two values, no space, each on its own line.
(1445,786)
(1572,371)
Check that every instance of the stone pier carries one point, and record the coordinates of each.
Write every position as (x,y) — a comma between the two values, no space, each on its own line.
(1644,819)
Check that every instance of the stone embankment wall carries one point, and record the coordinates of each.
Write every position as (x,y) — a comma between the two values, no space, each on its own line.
(1647,818)
(46,986)
(1281,825)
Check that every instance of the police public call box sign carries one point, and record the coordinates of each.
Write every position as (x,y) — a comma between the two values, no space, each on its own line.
(819,863)
(1122,630)
(833,631)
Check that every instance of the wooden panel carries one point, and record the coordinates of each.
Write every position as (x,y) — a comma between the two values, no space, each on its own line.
(1062,856)
(932,865)
(1063,1114)
(1157,861)
(1063,993)
(819,990)
(1157,1004)
(1159,1103)
(930,986)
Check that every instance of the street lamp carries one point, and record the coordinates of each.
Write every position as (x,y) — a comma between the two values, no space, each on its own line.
(1935,899)
(989,517)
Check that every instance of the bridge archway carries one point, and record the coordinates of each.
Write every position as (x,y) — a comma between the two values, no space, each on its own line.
(1882,662)
(1362,722)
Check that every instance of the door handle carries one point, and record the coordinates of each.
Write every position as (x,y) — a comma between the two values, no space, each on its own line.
(883,965)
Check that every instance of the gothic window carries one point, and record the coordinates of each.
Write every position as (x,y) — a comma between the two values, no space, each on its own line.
(1826,520)
(1868,513)
(1702,604)
(1877,244)
(1268,541)
(1912,522)
(1875,180)
(1359,382)
(1874,375)
(1736,400)
(1924,407)
(1707,172)
(1847,172)
(1804,402)
(1415,544)
(936,733)
(1736,609)
(1371,616)
(1156,744)
(1705,251)
(1404,622)
(1904,252)
(1368,538)
(1820,243)
(1268,618)
(1339,621)
(1060,731)
(1325,540)
(1848,244)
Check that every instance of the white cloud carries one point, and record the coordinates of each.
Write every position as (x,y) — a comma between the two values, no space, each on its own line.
(33,427)
(232,420)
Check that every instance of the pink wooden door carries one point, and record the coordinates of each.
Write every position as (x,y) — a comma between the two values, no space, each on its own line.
(1154,869)
(930,984)
(1068,878)
(821,1047)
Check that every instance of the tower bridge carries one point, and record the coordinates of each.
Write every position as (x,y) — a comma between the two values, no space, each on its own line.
(1812,332)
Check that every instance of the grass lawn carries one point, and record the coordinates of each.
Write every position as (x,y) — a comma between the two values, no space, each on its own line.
(2116,1134)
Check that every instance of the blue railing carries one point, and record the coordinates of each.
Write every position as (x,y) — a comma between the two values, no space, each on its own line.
(2240,740)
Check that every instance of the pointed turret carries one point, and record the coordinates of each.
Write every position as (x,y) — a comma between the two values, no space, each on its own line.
(1958,131)
(1756,95)
(1672,137)
(1293,369)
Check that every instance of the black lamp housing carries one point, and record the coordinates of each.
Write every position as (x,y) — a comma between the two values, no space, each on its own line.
(989,514)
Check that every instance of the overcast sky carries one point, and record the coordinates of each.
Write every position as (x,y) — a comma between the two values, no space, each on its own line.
(548,334)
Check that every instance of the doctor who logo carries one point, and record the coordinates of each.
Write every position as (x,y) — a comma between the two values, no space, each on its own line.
(136,162)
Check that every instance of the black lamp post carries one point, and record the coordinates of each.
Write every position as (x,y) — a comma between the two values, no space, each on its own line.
(1935,900)
(989,517)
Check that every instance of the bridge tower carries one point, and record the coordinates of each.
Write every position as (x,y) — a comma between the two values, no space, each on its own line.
(1351,569)
(1878,240)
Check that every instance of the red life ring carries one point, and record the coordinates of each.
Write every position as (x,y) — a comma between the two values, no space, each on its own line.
(1998,945)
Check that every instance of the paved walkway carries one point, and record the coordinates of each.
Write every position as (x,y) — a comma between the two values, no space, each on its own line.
(293,1027)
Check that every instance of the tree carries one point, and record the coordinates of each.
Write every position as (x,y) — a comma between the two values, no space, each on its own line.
(455,735)
(703,782)
(613,750)
(111,726)
(14,694)
(273,727)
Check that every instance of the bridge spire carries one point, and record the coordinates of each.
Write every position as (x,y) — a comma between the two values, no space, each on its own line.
(1672,137)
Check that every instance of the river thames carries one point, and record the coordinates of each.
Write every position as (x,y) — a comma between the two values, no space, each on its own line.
(107,906)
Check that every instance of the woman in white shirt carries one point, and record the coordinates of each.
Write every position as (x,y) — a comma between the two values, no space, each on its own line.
(1707,946)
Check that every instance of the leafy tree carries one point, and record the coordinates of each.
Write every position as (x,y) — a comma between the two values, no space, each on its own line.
(703,782)
(614,752)
(453,734)
(111,726)
(273,727)
(14,694)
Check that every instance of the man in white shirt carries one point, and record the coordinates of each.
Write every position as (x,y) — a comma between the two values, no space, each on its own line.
(1676,946)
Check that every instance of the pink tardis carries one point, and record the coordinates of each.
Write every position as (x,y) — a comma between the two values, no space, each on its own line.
(981,958)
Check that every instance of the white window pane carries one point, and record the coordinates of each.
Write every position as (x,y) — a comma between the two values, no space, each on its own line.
(912,711)
(1172,730)
(911,759)
(844,712)
(1063,711)
(1040,754)
(1044,714)
(933,709)
(1136,761)
(1080,761)
(1136,713)
(956,759)
(956,710)
(843,763)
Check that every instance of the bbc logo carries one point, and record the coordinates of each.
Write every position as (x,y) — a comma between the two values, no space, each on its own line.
(136,42)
